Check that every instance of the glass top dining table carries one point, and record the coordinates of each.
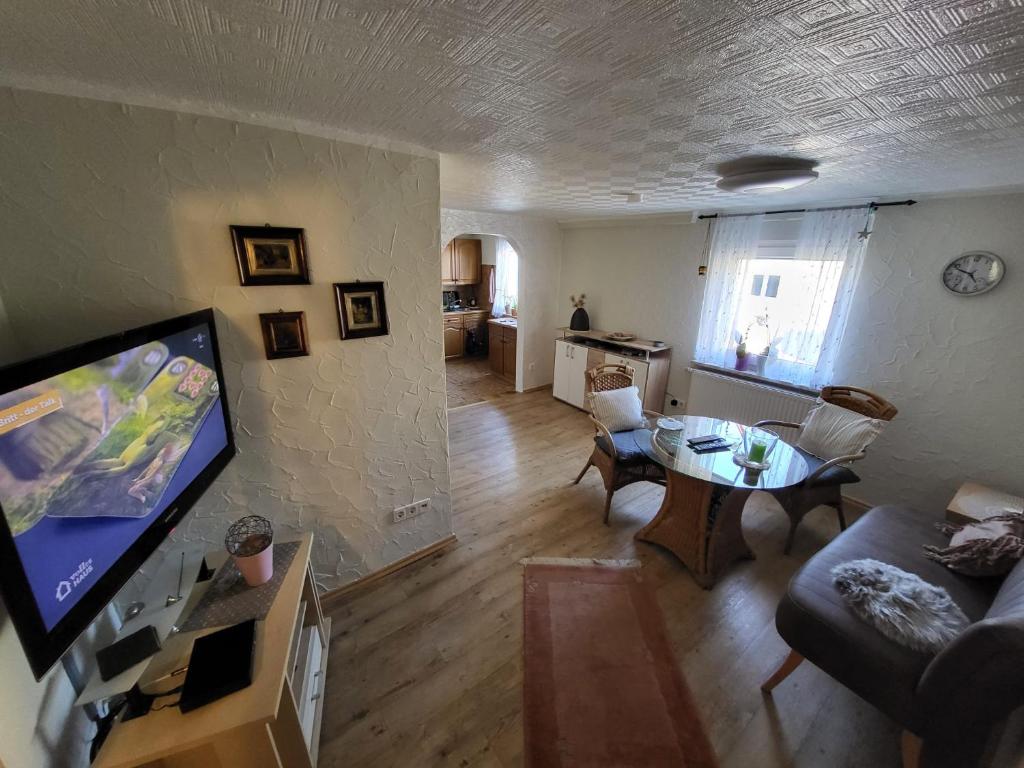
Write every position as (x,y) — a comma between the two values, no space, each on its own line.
(669,449)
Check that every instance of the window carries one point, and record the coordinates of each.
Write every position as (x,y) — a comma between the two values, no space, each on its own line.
(778,293)
(506,279)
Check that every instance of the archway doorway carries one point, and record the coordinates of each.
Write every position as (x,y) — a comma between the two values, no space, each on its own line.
(480,306)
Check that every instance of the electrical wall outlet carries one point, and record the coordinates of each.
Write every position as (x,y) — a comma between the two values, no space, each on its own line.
(401,514)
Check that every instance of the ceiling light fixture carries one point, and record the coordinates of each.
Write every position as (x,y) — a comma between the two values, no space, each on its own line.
(767,180)
(631,197)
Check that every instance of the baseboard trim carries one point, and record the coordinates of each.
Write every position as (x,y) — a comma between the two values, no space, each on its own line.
(856,505)
(537,389)
(333,597)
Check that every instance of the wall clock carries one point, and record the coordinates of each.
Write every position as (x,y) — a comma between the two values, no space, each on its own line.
(973,273)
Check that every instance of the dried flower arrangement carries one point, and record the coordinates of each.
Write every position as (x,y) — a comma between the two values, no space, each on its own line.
(578,303)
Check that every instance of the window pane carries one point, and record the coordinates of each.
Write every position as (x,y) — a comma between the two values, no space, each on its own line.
(773,286)
(758,282)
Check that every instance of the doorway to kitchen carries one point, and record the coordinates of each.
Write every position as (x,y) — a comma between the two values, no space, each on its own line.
(480,306)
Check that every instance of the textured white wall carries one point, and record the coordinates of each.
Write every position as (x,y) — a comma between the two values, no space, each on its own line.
(539,245)
(952,365)
(115,216)
(641,278)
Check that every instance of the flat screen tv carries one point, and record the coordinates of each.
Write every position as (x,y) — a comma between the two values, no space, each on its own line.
(103,449)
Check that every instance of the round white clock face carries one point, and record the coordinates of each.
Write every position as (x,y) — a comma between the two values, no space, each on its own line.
(973,272)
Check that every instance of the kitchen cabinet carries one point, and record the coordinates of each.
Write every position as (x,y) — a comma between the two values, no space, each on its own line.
(456,327)
(460,262)
(581,351)
(570,373)
(454,341)
(468,254)
(448,264)
(502,350)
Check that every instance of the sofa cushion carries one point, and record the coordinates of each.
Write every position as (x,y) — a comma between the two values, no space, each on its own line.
(837,475)
(626,447)
(814,620)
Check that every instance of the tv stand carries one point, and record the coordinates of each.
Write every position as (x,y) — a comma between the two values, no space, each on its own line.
(176,575)
(274,723)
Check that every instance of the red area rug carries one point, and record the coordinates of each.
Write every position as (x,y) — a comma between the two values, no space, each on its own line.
(602,687)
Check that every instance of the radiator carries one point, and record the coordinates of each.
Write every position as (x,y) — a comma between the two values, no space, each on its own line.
(744,402)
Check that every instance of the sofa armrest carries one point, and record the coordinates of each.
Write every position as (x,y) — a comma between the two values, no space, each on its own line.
(970,686)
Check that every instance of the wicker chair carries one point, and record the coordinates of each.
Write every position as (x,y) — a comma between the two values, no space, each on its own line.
(824,484)
(617,455)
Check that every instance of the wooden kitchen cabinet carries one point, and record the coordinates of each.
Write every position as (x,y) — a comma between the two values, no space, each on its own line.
(456,327)
(454,341)
(495,349)
(448,264)
(502,350)
(460,262)
(468,254)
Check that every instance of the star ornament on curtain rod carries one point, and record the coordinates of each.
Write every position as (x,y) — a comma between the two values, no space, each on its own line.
(864,234)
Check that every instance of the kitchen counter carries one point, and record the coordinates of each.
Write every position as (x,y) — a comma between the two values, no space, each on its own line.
(508,322)
(463,311)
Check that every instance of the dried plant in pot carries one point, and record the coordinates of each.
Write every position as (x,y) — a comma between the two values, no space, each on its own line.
(580,320)
(250,541)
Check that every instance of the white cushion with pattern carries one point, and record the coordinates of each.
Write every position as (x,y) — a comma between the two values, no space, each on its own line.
(830,431)
(618,409)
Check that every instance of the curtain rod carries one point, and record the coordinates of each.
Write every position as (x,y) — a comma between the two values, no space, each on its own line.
(805,210)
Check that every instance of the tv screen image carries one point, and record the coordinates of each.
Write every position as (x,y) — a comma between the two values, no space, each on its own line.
(91,458)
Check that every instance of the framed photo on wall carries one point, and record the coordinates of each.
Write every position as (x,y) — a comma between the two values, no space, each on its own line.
(270,255)
(361,310)
(284,334)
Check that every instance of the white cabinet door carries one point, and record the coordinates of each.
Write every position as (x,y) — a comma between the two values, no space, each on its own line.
(562,373)
(577,384)
(639,367)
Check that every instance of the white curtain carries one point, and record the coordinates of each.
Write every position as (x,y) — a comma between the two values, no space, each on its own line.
(792,332)
(506,278)
(805,352)
(734,242)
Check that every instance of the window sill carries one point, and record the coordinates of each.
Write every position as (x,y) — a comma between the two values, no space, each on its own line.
(753,378)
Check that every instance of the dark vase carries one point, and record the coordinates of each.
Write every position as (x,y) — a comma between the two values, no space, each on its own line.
(580,320)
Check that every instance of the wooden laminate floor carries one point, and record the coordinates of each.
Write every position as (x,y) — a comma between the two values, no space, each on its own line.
(426,664)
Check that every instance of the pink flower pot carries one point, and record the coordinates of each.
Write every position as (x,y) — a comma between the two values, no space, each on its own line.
(257,569)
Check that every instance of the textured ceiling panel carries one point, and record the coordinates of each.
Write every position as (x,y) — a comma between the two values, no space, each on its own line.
(555,106)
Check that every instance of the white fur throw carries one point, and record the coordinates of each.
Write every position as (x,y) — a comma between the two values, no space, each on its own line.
(902,606)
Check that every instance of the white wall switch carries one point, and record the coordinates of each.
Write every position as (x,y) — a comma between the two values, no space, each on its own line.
(403,513)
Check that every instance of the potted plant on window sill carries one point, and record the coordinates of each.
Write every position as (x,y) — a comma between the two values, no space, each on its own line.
(747,360)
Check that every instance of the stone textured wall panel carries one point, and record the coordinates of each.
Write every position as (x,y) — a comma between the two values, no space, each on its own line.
(116,216)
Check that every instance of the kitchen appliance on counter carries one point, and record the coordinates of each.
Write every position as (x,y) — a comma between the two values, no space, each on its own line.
(450,300)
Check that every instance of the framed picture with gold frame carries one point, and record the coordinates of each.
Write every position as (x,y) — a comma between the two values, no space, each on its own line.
(284,334)
(361,310)
(270,255)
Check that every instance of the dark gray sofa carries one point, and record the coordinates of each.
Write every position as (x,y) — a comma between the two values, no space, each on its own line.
(951,700)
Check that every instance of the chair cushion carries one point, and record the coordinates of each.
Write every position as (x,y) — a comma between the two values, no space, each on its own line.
(627,449)
(620,410)
(815,621)
(837,475)
(830,431)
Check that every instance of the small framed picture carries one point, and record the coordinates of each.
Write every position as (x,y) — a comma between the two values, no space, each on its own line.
(361,310)
(270,255)
(284,334)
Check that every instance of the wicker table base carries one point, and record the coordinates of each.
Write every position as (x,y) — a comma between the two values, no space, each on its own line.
(700,523)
